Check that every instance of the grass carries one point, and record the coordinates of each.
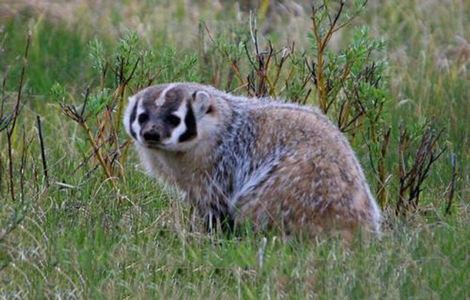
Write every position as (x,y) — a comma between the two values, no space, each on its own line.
(79,238)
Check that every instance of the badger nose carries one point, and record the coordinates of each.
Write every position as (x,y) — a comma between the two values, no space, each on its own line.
(151,135)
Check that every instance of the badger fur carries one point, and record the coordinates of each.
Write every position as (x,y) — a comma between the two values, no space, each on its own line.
(238,159)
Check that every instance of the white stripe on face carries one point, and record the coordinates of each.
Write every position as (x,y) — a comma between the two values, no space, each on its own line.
(161,100)
(135,125)
(181,128)
(128,113)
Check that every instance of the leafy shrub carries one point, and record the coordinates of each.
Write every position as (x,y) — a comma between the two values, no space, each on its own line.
(350,85)
(120,72)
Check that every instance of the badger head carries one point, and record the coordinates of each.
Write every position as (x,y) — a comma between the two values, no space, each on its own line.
(172,117)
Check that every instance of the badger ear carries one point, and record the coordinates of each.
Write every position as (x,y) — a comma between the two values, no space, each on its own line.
(201,103)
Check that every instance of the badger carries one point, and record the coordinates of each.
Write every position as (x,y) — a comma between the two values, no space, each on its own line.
(256,161)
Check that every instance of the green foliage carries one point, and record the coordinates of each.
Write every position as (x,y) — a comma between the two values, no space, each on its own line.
(58,93)
(171,67)
(82,237)
(350,85)
(98,102)
(97,56)
(64,62)
(127,67)
(357,83)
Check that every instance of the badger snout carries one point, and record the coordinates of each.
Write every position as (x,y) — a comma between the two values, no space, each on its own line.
(151,134)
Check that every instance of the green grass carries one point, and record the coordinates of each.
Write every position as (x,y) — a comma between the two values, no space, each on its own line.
(88,241)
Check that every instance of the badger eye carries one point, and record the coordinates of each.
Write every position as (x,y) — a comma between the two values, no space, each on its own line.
(143,118)
(173,120)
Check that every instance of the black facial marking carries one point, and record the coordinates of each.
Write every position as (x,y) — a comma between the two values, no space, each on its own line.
(143,117)
(210,110)
(173,120)
(190,122)
(132,119)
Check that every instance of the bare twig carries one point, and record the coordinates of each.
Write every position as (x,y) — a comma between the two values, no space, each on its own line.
(10,167)
(20,86)
(43,152)
(71,112)
(119,93)
(24,152)
(4,83)
(14,117)
(451,188)
(322,35)
(412,178)
(381,190)
(233,63)
(85,102)
(104,165)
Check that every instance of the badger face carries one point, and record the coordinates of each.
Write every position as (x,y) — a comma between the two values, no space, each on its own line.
(169,117)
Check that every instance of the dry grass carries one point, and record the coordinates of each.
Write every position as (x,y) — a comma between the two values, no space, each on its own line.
(79,238)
